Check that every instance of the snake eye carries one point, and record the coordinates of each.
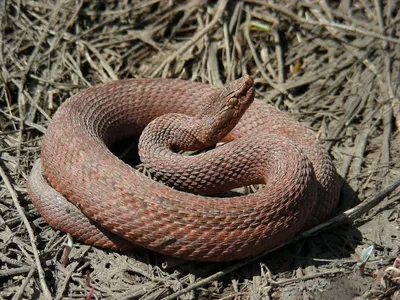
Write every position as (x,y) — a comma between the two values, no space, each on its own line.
(233,102)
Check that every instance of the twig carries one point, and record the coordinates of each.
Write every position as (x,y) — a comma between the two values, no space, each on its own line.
(42,38)
(307,277)
(72,267)
(220,8)
(13,194)
(279,56)
(22,287)
(100,57)
(227,45)
(38,127)
(14,271)
(63,285)
(378,7)
(324,23)
(260,67)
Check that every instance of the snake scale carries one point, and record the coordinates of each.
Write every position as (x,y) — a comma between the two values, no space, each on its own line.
(111,205)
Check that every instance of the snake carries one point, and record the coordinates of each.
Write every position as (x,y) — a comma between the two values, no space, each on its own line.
(80,187)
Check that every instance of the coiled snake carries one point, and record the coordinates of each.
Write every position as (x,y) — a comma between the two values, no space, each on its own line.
(108,199)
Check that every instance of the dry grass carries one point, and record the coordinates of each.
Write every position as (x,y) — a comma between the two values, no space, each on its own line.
(333,67)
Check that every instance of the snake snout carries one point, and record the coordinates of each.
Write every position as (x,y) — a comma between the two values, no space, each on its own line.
(245,86)
(246,93)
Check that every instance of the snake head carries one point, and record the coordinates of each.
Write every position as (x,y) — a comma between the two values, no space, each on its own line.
(228,107)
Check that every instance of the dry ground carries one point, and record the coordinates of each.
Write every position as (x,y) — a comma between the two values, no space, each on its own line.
(333,65)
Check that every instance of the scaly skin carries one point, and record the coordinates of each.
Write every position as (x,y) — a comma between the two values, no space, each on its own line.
(301,189)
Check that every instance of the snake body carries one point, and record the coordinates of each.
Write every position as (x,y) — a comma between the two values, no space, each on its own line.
(112,205)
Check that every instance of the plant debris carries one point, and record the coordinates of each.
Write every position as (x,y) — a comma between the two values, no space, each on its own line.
(332,65)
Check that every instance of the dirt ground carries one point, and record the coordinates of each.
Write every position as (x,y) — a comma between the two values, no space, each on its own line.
(332,65)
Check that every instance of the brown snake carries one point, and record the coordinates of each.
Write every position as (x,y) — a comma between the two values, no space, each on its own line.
(301,184)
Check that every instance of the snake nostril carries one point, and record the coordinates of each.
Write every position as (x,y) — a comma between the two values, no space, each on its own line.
(175,148)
